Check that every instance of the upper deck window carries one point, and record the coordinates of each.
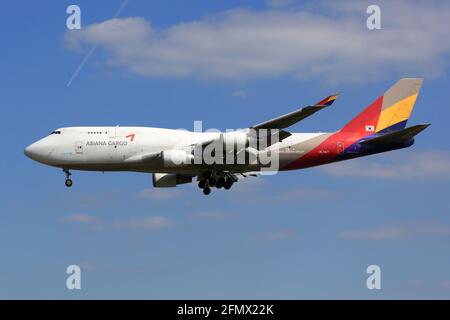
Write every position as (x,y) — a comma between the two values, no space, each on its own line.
(56,132)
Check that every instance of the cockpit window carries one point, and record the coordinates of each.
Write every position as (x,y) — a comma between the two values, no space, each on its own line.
(56,132)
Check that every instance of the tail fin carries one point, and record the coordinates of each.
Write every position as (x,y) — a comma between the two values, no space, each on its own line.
(390,112)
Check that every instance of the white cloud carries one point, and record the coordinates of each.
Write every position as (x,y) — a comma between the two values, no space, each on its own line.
(209,215)
(259,195)
(433,164)
(278,3)
(88,266)
(278,235)
(156,222)
(399,231)
(239,94)
(306,194)
(91,266)
(159,193)
(79,218)
(329,43)
(250,184)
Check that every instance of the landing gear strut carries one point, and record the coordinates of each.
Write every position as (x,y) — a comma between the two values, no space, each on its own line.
(68,181)
(220,183)
(212,182)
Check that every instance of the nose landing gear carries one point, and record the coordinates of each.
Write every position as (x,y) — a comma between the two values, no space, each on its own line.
(68,181)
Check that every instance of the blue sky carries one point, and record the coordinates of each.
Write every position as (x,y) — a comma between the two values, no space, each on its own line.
(297,235)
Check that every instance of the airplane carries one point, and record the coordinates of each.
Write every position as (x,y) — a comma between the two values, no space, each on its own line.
(174,157)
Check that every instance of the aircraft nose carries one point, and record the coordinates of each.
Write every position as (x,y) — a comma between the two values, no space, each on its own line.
(38,151)
(30,151)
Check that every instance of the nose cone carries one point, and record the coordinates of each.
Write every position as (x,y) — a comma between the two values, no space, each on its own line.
(32,151)
(38,151)
(29,151)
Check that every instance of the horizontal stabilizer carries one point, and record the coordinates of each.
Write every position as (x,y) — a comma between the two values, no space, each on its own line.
(396,137)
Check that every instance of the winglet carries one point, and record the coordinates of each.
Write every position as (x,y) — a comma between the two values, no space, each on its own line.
(328,101)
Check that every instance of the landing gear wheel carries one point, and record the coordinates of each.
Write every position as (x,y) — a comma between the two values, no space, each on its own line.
(228,184)
(202,184)
(206,191)
(68,183)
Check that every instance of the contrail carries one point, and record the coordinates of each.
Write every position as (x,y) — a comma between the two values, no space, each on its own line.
(92,50)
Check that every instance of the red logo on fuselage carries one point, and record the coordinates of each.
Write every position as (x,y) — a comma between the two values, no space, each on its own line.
(131,136)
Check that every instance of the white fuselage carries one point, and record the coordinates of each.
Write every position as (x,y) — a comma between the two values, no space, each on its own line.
(123,148)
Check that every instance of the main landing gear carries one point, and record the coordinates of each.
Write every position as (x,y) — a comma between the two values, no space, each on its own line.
(204,184)
(209,181)
(68,181)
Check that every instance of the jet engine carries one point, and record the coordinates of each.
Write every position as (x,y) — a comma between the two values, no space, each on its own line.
(167,180)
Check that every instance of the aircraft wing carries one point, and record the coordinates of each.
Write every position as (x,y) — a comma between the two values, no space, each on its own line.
(147,157)
(279,123)
(291,118)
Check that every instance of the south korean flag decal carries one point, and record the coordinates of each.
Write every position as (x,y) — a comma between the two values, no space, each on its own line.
(370,128)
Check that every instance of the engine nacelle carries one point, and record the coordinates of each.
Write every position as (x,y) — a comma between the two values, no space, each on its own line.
(168,180)
(176,158)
